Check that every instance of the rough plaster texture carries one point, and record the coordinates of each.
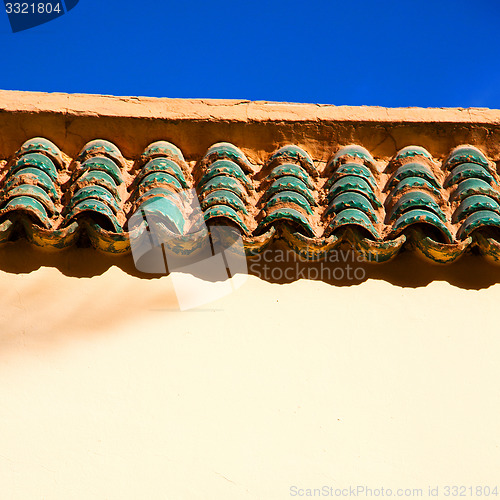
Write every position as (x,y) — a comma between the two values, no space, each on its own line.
(258,128)
(108,391)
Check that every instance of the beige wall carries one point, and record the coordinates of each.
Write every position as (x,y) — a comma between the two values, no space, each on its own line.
(257,127)
(108,391)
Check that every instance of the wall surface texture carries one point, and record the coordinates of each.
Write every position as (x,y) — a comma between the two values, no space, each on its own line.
(109,391)
(258,128)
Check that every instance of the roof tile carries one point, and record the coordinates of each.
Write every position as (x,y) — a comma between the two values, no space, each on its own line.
(439,209)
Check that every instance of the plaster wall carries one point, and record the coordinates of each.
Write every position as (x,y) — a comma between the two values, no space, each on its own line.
(108,391)
(258,128)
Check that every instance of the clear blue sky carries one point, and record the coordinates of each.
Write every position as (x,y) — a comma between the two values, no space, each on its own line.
(374,52)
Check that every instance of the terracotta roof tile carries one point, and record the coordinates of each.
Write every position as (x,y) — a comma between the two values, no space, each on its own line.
(442,209)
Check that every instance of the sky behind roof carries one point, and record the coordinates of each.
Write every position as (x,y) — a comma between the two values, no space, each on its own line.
(437,53)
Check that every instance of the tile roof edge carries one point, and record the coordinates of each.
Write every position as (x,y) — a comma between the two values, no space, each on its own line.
(233,110)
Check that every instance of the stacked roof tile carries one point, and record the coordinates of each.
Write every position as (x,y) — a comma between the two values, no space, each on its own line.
(441,209)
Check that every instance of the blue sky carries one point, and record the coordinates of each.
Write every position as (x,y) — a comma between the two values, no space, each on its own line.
(389,53)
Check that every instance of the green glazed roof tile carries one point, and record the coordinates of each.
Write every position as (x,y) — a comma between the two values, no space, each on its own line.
(29,205)
(223,197)
(416,199)
(413,169)
(412,152)
(225,212)
(100,147)
(97,178)
(418,216)
(227,151)
(33,191)
(95,192)
(103,164)
(289,183)
(159,191)
(473,204)
(165,209)
(32,175)
(466,154)
(294,154)
(352,199)
(41,145)
(286,215)
(468,171)
(97,211)
(161,165)
(470,187)
(355,184)
(291,169)
(478,220)
(412,183)
(308,207)
(352,151)
(156,179)
(225,168)
(162,149)
(355,169)
(352,217)
(225,183)
(35,160)
(292,197)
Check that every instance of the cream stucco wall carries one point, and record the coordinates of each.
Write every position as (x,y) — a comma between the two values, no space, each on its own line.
(108,391)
